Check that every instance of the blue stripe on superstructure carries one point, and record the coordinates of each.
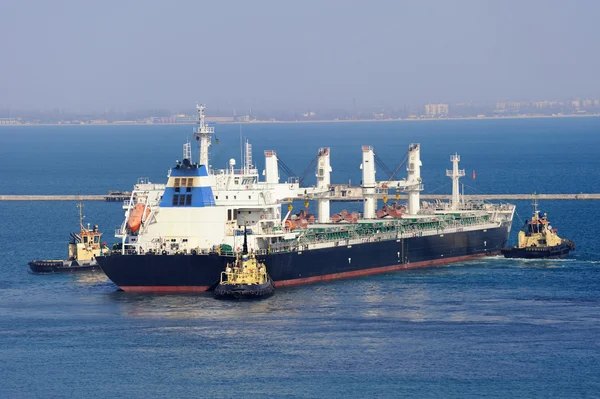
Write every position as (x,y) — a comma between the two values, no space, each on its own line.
(189,172)
(201,197)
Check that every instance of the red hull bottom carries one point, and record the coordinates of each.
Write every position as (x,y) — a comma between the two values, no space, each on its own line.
(316,279)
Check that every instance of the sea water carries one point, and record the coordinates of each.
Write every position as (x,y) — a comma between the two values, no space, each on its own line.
(488,328)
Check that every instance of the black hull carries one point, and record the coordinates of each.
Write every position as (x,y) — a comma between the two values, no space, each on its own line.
(192,273)
(62,266)
(555,252)
(242,291)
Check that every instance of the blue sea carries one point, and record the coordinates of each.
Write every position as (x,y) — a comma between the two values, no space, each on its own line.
(493,328)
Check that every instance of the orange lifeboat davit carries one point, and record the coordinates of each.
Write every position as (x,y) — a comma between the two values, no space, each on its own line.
(138,215)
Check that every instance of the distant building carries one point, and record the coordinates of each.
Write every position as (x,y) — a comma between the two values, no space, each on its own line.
(181,118)
(219,119)
(434,110)
(508,105)
(545,104)
(242,118)
(9,121)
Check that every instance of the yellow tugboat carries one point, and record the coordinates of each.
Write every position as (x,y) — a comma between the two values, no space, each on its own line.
(83,248)
(538,240)
(246,278)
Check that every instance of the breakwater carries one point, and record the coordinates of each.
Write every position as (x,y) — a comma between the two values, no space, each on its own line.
(338,193)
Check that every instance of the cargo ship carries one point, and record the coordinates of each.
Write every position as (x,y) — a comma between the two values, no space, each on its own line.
(180,236)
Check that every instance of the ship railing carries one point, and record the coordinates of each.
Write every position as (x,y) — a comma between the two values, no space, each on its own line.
(377,233)
(237,277)
(251,171)
(274,230)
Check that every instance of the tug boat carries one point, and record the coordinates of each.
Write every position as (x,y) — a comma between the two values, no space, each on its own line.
(538,240)
(246,278)
(83,248)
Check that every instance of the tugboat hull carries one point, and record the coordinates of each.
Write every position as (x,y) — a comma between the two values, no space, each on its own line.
(554,252)
(62,266)
(244,291)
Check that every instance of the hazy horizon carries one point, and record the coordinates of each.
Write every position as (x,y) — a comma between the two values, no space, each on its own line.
(278,55)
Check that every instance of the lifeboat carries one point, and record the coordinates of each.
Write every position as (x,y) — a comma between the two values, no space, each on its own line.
(138,215)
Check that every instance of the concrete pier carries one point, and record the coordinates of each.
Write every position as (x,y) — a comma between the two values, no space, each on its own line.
(344,192)
(339,192)
(113,196)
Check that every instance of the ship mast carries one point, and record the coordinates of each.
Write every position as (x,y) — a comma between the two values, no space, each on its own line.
(415,185)
(455,174)
(203,131)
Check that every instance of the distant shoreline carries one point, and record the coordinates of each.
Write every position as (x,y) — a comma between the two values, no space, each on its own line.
(316,121)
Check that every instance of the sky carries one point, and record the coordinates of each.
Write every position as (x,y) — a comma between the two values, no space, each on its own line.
(126,55)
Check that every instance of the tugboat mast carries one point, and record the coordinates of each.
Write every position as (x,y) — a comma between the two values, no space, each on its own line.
(203,132)
(80,206)
(535,206)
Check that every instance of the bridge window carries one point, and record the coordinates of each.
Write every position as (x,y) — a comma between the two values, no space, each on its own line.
(188,189)
(190,181)
(177,182)
(182,199)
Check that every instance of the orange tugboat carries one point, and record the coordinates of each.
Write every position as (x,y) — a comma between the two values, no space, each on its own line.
(83,248)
